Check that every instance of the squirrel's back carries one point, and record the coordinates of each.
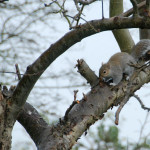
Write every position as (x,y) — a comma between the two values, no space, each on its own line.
(122,58)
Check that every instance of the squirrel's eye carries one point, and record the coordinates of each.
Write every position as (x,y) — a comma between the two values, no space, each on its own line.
(104,71)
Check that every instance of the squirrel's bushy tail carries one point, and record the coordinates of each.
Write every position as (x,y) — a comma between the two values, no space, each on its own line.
(141,51)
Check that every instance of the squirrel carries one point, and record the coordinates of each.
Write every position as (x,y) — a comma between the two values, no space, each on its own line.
(119,64)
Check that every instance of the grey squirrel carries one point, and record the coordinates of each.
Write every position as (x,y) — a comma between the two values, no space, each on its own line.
(119,64)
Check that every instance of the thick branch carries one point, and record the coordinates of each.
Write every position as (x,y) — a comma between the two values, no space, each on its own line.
(30,119)
(87,73)
(122,36)
(81,116)
(35,70)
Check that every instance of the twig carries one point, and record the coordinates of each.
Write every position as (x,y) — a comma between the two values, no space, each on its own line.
(48,5)
(135,8)
(130,11)
(141,103)
(18,71)
(75,94)
(102,10)
(139,66)
(85,2)
(71,106)
(32,74)
(84,97)
(79,15)
(148,7)
(120,108)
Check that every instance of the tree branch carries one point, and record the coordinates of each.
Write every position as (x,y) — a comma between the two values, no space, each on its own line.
(81,116)
(130,11)
(26,84)
(122,36)
(30,119)
(87,73)
(135,8)
(141,103)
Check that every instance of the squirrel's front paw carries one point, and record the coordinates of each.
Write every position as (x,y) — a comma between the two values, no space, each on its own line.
(127,78)
(113,84)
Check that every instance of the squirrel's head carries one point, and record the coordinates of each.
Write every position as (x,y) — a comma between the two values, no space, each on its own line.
(104,73)
(104,70)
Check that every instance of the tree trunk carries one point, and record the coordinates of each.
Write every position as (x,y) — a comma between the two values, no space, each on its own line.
(6,120)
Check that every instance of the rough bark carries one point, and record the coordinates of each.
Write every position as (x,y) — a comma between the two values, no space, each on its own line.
(7,119)
(30,119)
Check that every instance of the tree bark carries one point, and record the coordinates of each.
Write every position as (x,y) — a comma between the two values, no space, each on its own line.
(7,119)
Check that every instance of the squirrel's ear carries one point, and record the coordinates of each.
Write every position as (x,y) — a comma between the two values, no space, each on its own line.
(102,63)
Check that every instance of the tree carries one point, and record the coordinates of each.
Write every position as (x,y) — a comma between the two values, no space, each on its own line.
(81,114)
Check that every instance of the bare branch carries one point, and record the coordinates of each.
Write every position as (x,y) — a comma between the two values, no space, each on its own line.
(18,71)
(135,8)
(79,15)
(86,2)
(130,11)
(30,119)
(71,106)
(125,100)
(141,103)
(87,73)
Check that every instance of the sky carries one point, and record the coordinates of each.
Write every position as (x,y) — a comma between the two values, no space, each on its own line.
(95,50)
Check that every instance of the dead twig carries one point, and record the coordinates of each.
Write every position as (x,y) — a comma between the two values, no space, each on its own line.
(135,8)
(75,94)
(84,97)
(120,108)
(71,106)
(141,103)
(18,72)
(130,11)
(79,15)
